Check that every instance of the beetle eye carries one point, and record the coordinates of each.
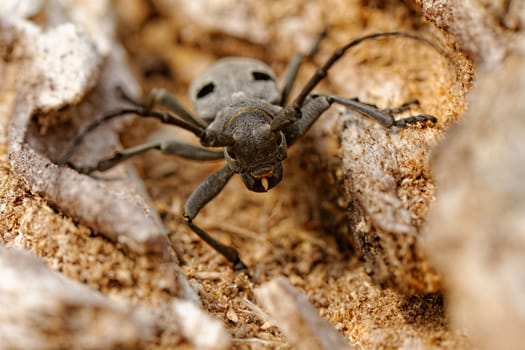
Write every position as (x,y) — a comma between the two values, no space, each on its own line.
(231,154)
(261,76)
(206,90)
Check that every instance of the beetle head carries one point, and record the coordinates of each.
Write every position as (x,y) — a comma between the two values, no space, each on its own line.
(257,152)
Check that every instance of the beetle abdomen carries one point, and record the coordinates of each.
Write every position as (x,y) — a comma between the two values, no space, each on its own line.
(217,86)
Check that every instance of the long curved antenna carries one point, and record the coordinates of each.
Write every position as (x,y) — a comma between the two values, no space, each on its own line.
(295,64)
(283,119)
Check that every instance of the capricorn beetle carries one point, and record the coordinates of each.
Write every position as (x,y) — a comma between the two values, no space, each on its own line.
(240,108)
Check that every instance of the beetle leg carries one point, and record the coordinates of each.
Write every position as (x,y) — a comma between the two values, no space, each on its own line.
(182,118)
(311,111)
(180,149)
(204,193)
(165,118)
(317,104)
(384,116)
(322,71)
(162,97)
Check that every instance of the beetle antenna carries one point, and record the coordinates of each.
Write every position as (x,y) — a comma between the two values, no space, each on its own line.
(282,121)
(321,73)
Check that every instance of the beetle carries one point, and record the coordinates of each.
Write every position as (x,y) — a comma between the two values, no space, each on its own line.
(240,108)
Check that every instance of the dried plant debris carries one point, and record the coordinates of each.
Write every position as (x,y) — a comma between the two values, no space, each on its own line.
(41,309)
(486,30)
(201,330)
(60,90)
(297,318)
(148,287)
(477,233)
(388,176)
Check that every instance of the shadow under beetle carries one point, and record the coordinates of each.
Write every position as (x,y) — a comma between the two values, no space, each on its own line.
(240,108)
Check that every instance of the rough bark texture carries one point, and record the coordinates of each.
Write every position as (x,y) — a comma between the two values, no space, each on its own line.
(297,318)
(486,30)
(53,71)
(476,234)
(41,309)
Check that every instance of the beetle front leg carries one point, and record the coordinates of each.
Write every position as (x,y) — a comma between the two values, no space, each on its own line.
(316,105)
(384,116)
(310,112)
(206,191)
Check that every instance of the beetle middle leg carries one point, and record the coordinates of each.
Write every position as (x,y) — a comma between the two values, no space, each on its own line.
(162,97)
(204,193)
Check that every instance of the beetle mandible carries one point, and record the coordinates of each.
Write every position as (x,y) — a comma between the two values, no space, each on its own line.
(239,107)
